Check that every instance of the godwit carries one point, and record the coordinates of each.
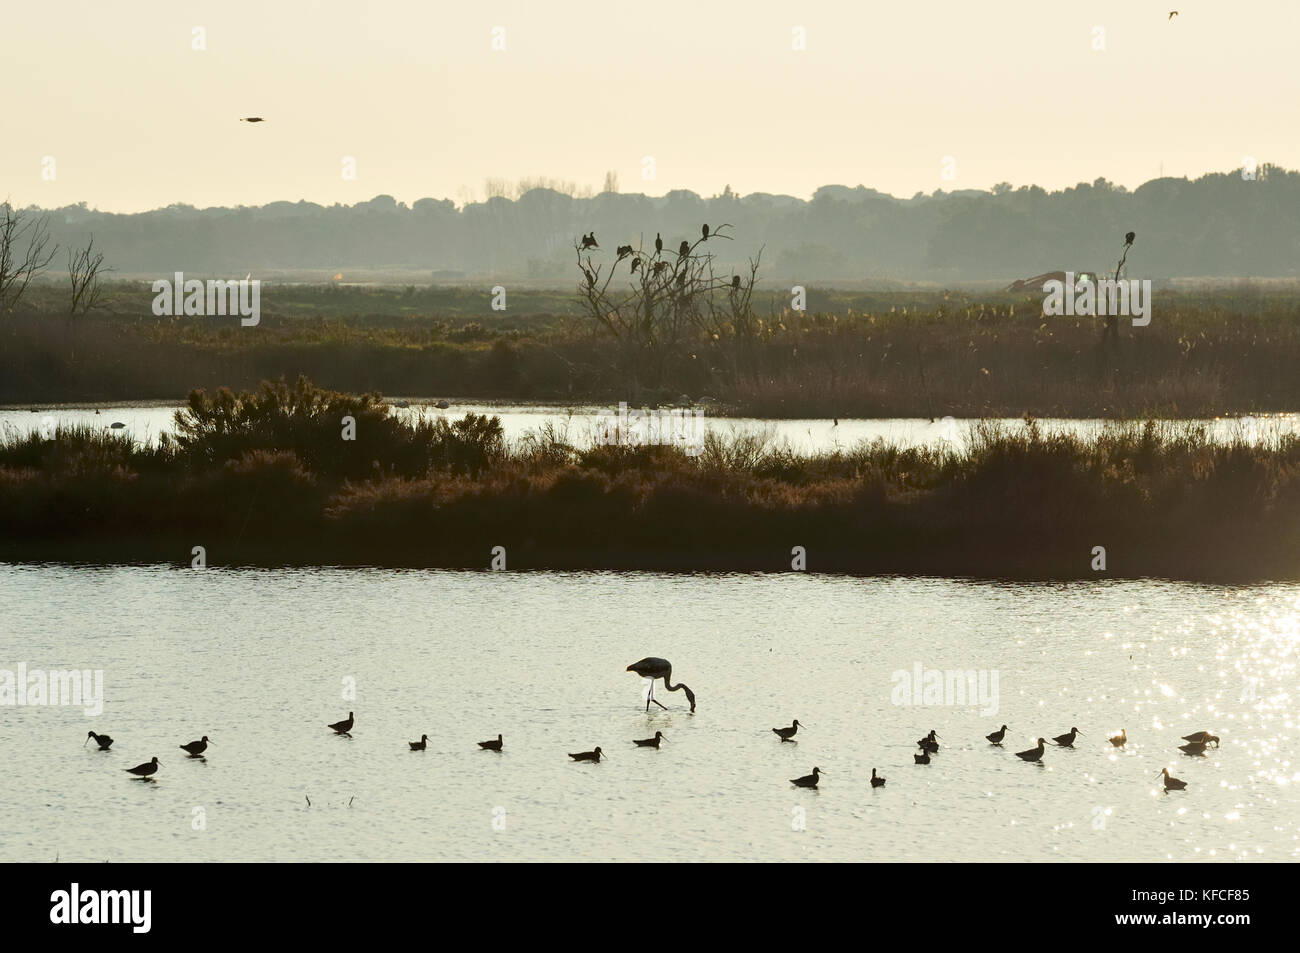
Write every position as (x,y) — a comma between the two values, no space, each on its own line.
(650,742)
(491,745)
(142,771)
(419,745)
(1033,754)
(587,755)
(997,736)
(1119,740)
(343,727)
(1193,748)
(1171,783)
(929,744)
(787,734)
(808,780)
(876,782)
(1067,740)
(922,758)
(104,741)
(196,748)
(653,668)
(1202,737)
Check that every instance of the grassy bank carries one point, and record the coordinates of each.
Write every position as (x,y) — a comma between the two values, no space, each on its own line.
(267,478)
(876,354)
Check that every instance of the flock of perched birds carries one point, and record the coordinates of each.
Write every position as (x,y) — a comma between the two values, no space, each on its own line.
(653,669)
(1195,746)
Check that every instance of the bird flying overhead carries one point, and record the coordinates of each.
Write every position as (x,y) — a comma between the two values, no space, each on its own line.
(253,119)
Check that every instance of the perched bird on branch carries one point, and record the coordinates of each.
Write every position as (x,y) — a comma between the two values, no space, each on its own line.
(624,251)
(681,280)
(705,230)
(735,282)
(589,241)
(1128,239)
(659,243)
(591,279)
(683,249)
(636,262)
(660,266)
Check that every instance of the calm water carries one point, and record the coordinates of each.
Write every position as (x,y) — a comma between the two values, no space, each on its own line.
(259,661)
(146,421)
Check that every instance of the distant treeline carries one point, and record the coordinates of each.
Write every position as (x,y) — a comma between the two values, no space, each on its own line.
(1221,224)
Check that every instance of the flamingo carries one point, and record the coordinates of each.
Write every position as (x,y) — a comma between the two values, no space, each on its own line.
(653,668)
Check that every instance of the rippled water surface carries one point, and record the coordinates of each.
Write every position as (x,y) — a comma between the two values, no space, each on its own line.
(260,660)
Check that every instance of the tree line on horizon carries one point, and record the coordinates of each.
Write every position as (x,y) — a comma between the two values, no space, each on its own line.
(1218,225)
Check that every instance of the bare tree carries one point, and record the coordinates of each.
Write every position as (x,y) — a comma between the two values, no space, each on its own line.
(669,297)
(18,266)
(85,266)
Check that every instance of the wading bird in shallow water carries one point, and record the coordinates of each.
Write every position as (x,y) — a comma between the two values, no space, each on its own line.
(1202,737)
(876,782)
(653,668)
(1067,740)
(1171,783)
(587,755)
(787,734)
(104,741)
(808,780)
(1033,754)
(196,748)
(922,758)
(929,744)
(650,742)
(419,745)
(1193,748)
(491,745)
(1119,740)
(142,771)
(342,727)
(997,736)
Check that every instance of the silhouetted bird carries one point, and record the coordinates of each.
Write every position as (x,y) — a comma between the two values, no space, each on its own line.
(929,743)
(491,745)
(142,771)
(253,119)
(1033,754)
(659,243)
(922,758)
(786,734)
(1128,239)
(1119,740)
(591,279)
(997,736)
(1193,748)
(104,741)
(587,755)
(1172,14)
(660,266)
(876,782)
(649,742)
(624,251)
(735,282)
(419,745)
(808,780)
(1067,741)
(342,727)
(683,249)
(705,230)
(589,241)
(636,263)
(681,280)
(1171,784)
(655,668)
(1202,737)
(196,748)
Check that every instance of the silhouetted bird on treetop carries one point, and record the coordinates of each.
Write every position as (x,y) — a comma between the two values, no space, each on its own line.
(659,243)
(624,250)
(636,262)
(684,249)
(705,230)
(589,241)
(1128,239)
(660,266)
(735,282)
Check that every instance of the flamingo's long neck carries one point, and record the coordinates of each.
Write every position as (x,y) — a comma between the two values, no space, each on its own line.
(669,686)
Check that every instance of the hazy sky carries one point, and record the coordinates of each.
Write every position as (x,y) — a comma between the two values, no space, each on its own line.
(135,118)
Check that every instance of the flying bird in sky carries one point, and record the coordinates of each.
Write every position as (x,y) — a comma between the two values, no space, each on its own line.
(253,119)
(1172,14)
